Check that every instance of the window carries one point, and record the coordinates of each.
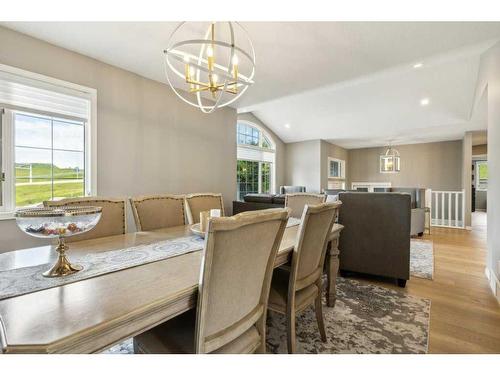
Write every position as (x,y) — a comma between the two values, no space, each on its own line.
(49,158)
(256,158)
(336,168)
(482,175)
(371,186)
(47,135)
(251,136)
(336,173)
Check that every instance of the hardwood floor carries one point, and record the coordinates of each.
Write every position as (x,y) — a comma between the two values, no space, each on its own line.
(465,316)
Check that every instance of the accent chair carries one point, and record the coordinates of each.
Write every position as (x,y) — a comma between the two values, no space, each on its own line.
(158,211)
(300,286)
(113,218)
(239,256)
(297,201)
(196,203)
(376,235)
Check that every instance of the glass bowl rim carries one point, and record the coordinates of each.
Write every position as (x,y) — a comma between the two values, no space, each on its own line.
(60,211)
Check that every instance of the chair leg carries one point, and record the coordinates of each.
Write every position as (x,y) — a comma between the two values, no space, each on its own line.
(290,322)
(137,349)
(319,317)
(261,326)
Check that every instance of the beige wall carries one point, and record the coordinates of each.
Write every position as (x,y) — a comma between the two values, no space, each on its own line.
(329,150)
(428,165)
(303,163)
(280,148)
(307,163)
(489,84)
(148,140)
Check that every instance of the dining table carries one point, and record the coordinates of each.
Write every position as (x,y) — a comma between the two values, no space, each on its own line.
(93,314)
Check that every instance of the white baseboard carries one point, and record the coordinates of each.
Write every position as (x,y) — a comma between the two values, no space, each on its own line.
(494,283)
(468,228)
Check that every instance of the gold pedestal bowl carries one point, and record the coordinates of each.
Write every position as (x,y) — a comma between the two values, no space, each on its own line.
(58,222)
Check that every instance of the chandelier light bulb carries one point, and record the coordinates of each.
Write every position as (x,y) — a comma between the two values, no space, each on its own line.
(186,59)
(235,59)
(210,51)
(215,78)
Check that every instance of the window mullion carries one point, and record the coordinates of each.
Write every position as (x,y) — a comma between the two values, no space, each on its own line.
(52,157)
(8,189)
(260,177)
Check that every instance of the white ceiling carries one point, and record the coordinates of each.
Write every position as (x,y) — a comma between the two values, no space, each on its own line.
(348,82)
(384,107)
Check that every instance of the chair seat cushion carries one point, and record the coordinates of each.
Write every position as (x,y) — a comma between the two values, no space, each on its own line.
(176,336)
(278,295)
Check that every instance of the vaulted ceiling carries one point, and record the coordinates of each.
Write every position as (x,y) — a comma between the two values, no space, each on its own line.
(353,83)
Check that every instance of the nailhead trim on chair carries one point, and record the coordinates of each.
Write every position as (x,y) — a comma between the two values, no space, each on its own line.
(122,202)
(158,197)
(207,195)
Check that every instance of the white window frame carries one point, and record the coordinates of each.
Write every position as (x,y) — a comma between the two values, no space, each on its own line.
(342,168)
(370,185)
(272,150)
(476,174)
(8,188)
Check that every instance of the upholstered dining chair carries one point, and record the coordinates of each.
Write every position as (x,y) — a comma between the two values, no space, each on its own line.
(297,201)
(196,203)
(158,211)
(233,292)
(113,219)
(300,286)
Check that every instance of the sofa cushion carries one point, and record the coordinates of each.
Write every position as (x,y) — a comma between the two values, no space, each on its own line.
(260,198)
(279,199)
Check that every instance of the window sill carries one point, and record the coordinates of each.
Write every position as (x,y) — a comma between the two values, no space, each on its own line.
(7,215)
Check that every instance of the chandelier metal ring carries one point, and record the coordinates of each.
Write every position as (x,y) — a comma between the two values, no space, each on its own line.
(233,81)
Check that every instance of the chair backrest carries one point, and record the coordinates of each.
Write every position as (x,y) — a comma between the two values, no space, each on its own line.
(236,275)
(196,203)
(113,219)
(312,239)
(296,202)
(158,211)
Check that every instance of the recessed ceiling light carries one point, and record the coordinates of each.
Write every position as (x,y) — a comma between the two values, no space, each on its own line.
(424,101)
(287,126)
(418,65)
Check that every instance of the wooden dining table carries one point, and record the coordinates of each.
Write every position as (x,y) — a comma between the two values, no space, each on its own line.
(91,315)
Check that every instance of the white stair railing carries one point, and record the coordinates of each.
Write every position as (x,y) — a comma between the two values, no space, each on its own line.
(448,209)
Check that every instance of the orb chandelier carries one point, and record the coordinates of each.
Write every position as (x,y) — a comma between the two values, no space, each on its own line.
(390,162)
(213,70)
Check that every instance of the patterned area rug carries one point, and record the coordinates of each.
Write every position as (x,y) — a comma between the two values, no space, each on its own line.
(422,258)
(366,319)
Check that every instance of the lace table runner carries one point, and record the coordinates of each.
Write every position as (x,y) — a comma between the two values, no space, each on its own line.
(16,282)
(19,281)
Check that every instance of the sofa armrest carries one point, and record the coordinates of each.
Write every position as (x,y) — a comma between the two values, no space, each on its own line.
(417,221)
